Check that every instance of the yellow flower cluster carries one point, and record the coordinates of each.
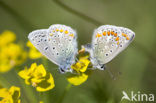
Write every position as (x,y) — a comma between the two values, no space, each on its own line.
(7,37)
(38,77)
(11,54)
(80,67)
(10,96)
(33,52)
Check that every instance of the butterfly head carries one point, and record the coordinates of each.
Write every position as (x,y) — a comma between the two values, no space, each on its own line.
(64,70)
(66,67)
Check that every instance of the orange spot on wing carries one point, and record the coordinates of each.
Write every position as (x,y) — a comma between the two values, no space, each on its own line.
(118,43)
(57,29)
(61,30)
(72,35)
(127,38)
(66,32)
(123,34)
(108,33)
(51,34)
(104,33)
(98,35)
(115,34)
(112,32)
(117,39)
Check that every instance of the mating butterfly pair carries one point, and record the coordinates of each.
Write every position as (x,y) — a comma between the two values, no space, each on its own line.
(58,43)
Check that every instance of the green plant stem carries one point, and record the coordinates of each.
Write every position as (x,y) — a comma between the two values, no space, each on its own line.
(40,95)
(77,13)
(27,91)
(4,83)
(43,96)
(139,46)
(45,63)
(64,93)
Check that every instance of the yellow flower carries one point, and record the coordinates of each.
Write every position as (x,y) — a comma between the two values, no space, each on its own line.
(80,67)
(7,37)
(33,52)
(38,77)
(77,79)
(10,96)
(10,56)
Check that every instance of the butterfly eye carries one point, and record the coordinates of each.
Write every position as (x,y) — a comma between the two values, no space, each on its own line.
(103,66)
(62,70)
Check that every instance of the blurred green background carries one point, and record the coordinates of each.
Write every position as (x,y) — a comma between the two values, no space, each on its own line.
(134,68)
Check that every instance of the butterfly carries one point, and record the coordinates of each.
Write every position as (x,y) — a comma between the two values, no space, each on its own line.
(107,42)
(57,43)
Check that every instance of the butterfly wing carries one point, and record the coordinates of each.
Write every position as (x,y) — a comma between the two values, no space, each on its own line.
(63,42)
(58,44)
(39,39)
(108,41)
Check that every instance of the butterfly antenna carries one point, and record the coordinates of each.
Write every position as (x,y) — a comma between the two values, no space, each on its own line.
(110,73)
